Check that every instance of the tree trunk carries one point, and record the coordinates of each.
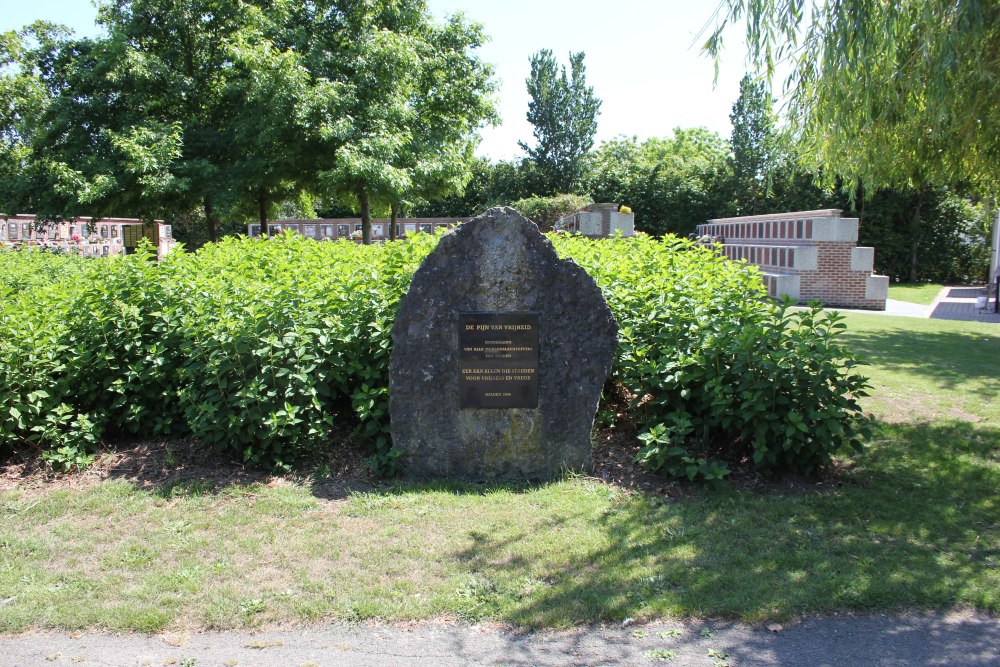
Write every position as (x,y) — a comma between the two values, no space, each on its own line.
(915,238)
(262,210)
(366,217)
(994,270)
(210,220)
(393,214)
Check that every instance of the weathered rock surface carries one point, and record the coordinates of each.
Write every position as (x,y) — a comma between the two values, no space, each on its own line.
(498,262)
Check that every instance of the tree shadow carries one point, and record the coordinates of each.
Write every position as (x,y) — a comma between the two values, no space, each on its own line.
(184,467)
(918,529)
(949,358)
(176,467)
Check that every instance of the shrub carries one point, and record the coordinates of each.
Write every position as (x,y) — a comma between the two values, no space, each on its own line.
(261,348)
(279,341)
(37,290)
(545,211)
(716,370)
(257,348)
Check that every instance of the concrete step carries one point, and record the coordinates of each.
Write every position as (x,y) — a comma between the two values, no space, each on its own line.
(781,284)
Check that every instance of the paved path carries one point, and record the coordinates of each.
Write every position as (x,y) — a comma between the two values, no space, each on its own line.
(961,303)
(960,639)
(951,303)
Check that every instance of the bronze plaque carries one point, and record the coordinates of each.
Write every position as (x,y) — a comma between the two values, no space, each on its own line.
(498,360)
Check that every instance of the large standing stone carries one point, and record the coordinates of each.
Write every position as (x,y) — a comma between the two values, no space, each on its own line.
(498,263)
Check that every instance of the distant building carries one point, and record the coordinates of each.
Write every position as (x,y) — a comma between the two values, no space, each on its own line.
(110,236)
(332,229)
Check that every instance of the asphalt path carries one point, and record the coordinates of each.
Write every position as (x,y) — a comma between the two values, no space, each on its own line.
(957,638)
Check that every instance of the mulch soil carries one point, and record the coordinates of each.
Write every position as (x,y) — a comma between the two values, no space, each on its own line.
(152,464)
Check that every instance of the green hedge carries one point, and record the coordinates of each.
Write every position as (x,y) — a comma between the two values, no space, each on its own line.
(262,348)
(714,370)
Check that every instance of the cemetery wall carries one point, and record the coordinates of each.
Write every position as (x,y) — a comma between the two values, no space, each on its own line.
(807,255)
(108,236)
(598,221)
(350,228)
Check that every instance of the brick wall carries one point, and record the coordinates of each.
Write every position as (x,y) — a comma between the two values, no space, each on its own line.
(807,255)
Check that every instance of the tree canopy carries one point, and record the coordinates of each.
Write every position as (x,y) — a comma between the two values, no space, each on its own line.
(754,143)
(419,104)
(671,184)
(232,106)
(886,93)
(563,110)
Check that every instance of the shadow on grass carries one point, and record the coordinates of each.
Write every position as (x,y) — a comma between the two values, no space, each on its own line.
(183,468)
(916,524)
(918,530)
(949,358)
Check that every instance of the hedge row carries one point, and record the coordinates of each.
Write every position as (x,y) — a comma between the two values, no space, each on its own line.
(717,372)
(263,348)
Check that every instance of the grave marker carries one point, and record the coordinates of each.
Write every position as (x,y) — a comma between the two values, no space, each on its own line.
(500,351)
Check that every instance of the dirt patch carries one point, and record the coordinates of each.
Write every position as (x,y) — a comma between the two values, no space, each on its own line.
(614,463)
(167,463)
(152,464)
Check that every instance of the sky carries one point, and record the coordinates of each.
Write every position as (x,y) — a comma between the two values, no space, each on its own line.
(643,59)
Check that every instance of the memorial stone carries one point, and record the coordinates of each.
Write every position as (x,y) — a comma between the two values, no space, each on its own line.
(500,351)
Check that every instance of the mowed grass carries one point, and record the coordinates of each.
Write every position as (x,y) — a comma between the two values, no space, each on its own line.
(910,524)
(921,293)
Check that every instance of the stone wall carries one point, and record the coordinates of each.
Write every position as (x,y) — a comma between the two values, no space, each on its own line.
(807,255)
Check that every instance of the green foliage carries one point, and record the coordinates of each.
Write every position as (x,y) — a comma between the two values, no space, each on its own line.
(215,109)
(545,211)
(852,109)
(948,242)
(660,453)
(491,184)
(37,358)
(420,94)
(563,111)
(671,184)
(257,348)
(754,144)
(712,367)
(282,340)
(261,348)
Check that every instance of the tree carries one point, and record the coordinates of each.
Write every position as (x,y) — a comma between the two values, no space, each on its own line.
(884,93)
(252,120)
(671,184)
(451,102)
(754,144)
(563,111)
(52,162)
(419,94)
(491,184)
(195,105)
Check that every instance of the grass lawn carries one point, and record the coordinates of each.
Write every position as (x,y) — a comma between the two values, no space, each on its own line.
(911,523)
(922,293)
